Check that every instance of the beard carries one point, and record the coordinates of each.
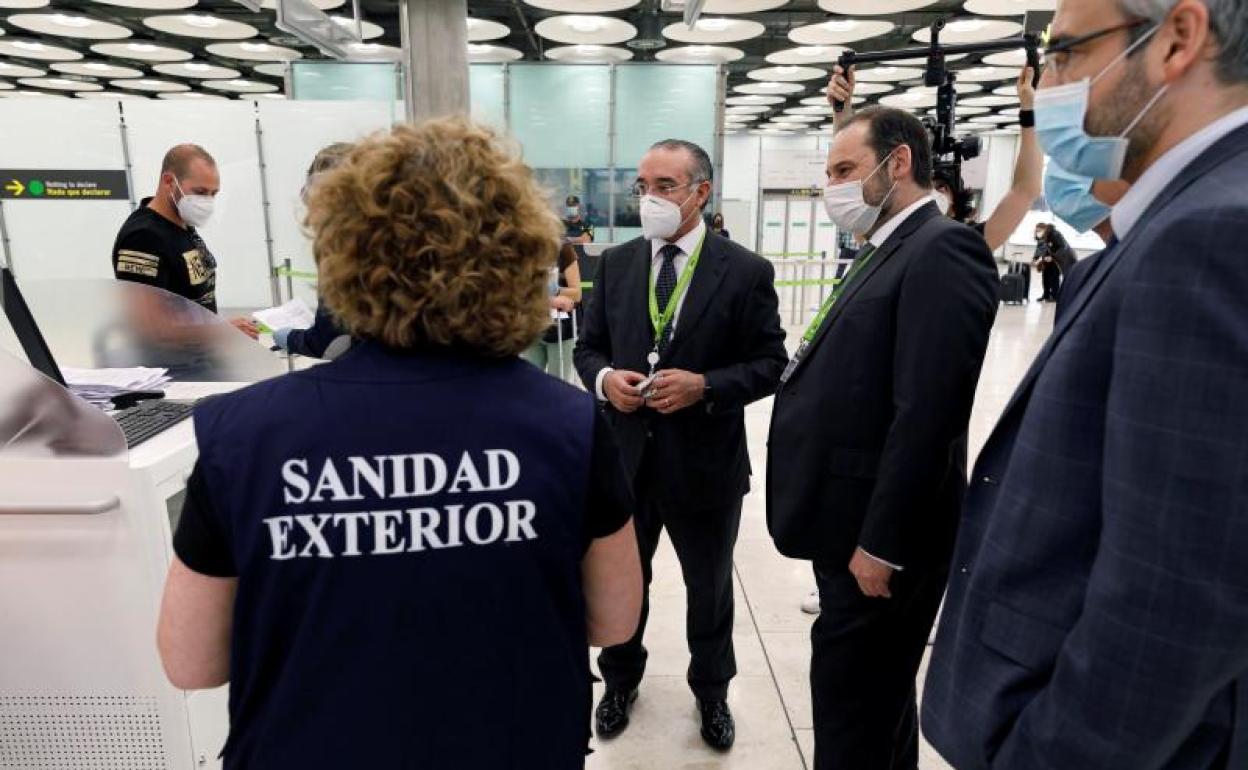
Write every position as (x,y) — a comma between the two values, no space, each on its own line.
(876,189)
(1129,99)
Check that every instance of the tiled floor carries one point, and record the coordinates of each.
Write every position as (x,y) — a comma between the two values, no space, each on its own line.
(770,697)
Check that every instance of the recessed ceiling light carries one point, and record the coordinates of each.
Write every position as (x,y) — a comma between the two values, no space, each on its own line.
(713,25)
(141,47)
(201,21)
(771,85)
(700,50)
(71,21)
(479,49)
(254,47)
(840,25)
(366,47)
(811,50)
(585,23)
(966,25)
(26,45)
(787,70)
(196,66)
(95,65)
(588,50)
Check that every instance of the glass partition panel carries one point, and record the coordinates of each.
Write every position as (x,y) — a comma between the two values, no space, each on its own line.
(99,324)
(559,114)
(661,101)
(345,81)
(485,89)
(39,418)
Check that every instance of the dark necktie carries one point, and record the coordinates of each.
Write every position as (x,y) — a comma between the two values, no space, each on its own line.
(665,286)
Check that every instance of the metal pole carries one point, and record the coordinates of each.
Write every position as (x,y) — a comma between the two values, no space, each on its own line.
(4,242)
(611,153)
(290,279)
(435,54)
(125,154)
(721,90)
(265,206)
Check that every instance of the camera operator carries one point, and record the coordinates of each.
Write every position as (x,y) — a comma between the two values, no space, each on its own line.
(951,193)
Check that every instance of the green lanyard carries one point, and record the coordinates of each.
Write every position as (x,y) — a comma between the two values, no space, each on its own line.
(861,263)
(660,322)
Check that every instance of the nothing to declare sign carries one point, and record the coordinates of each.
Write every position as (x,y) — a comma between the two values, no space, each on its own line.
(41,185)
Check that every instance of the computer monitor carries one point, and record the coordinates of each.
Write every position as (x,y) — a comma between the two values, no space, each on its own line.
(24,326)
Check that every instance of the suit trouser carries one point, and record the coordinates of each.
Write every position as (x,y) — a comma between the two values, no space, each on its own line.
(866,655)
(703,540)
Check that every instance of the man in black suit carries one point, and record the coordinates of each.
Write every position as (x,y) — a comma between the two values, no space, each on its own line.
(867,458)
(683,331)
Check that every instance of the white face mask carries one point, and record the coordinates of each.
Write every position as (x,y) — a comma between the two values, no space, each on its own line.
(660,218)
(942,202)
(847,207)
(195,210)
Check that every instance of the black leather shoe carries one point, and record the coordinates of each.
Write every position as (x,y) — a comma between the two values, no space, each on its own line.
(718,729)
(611,716)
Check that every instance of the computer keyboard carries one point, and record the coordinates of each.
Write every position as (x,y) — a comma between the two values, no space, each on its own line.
(151,417)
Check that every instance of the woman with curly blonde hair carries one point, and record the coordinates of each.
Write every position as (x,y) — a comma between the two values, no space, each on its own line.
(398,559)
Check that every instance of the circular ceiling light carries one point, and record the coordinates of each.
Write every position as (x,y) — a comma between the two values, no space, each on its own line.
(23,4)
(700,54)
(971,31)
(68,25)
(585,30)
(963,89)
(196,71)
(254,50)
(1016,58)
(714,30)
(1012,112)
(6,86)
(492,54)
(583,6)
(1006,91)
(96,69)
(741,6)
(240,86)
(770,132)
(201,25)
(989,101)
(588,54)
(33,49)
(964,111)
(480,30)
(141,51)
(61,84)
(114,95)
(752,101)
(272,70)
(20,94)
(985,74)
(747,109)
(1008,7)
(787,74)
(807,54)
(9,70)
(873,7)
(909,101)
(154,85)
(839,32)
(324,5)
(809,110)
(150,5)
(368,30)
(992,119)
(269,96)
(374,52)
(887,74)
(768,89)
(191,95)
(797,119)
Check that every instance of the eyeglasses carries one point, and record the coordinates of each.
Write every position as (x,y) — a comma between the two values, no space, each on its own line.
(641,189)
(1058,52)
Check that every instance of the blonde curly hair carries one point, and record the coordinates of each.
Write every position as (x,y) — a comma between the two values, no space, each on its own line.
(435,233)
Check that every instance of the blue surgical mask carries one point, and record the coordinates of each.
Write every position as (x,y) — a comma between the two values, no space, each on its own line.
(1060,116)
(572,211)
(1070,198)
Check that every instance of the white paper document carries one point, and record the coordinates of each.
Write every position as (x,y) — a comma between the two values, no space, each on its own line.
(97,386)
(293,315)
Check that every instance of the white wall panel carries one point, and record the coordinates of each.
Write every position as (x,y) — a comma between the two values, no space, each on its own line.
(61,239)
(293,132)
(227,130)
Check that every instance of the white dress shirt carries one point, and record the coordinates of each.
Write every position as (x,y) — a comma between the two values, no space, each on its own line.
(890,227)
(1159,175)
(686,243)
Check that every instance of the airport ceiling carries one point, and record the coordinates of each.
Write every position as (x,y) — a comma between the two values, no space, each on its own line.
(777,52)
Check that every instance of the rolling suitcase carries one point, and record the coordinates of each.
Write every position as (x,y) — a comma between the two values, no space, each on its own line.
(1013,289)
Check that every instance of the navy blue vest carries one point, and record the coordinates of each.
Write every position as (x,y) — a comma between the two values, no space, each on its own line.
(408,530)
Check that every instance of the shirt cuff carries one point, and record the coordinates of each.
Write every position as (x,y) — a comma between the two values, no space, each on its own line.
(889,564)
(602,376)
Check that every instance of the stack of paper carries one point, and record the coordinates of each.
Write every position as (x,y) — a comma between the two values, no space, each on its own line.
(293,315)
(97,386)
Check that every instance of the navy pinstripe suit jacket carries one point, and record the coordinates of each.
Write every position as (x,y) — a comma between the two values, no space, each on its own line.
(1097,614)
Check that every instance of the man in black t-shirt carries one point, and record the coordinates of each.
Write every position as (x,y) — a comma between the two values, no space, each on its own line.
(158,245)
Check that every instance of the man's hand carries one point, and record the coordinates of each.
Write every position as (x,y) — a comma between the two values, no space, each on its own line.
(873,576)
(620,388)
(1026,92)
(245,326)
(675,389)
(562,304)
(841,89)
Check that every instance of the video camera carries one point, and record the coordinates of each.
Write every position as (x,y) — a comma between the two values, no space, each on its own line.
(948,150)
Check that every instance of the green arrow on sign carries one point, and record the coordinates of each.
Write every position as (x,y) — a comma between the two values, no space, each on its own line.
(15,187)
